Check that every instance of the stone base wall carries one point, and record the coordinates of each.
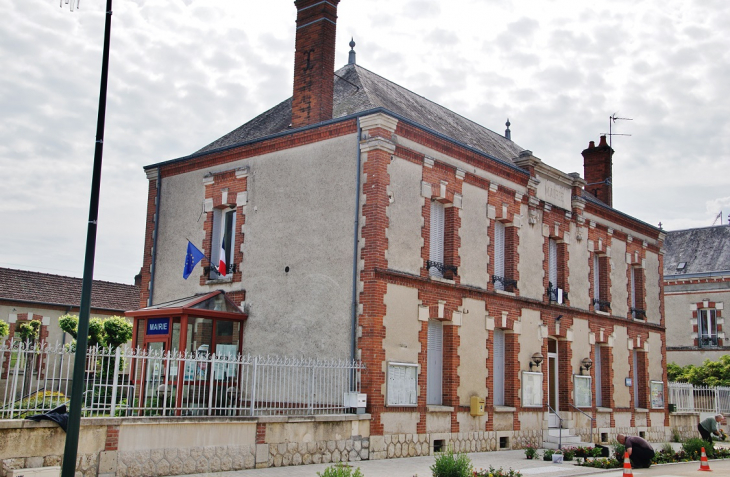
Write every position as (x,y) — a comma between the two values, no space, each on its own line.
(683,425)
(395,446)
(322,452)
(194,460)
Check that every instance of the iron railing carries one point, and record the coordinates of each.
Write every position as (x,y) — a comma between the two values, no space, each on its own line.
(134,382)
(689,398)
(506,284)
(552,293)
(601,305)
(443,269)
(593,419)
(637,313)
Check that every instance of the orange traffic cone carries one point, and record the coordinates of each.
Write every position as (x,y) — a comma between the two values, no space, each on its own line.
(704,465)
(627,465)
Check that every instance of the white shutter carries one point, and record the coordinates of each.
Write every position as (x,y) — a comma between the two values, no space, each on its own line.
(498,358)
(553,262)
(633,291)
(437,236)
(635,382)
(597,370)
(435,359)
(499,253)
(596,279)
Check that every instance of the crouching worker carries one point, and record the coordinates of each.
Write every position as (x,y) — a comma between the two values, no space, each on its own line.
(710,426)
(640,452)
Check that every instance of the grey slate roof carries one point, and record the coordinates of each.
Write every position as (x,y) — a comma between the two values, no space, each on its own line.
(703,250)
(35,287)
(356,90)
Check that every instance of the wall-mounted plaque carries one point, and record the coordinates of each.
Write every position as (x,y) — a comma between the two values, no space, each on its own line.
(531,389)
(402,384)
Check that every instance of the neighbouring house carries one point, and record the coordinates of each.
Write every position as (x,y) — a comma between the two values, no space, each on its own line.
(492,298)
(26,296)
(696,288)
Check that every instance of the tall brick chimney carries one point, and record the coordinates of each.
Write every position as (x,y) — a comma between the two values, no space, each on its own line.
(598,170)
(314,61)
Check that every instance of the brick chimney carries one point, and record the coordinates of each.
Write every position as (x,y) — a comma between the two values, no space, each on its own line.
(314,61)
(598,170)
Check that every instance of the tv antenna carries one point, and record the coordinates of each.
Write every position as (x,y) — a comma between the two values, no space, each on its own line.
(611,120)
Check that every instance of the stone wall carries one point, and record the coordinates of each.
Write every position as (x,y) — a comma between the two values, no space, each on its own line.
(150,447)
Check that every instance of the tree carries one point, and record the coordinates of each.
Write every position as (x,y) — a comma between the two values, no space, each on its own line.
(711,373)
(4,329)
(108,333)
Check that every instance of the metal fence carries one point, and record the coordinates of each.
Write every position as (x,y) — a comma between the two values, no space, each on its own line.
(689,398)
(134,382)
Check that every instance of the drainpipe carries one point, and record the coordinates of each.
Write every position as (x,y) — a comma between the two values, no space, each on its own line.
(355,248)
(158,199)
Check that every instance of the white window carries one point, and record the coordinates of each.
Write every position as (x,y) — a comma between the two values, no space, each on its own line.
(553,263)
(596,278)
(435,360)
(436,254)
(633,292)
(498,353)
(599,379)
(706,327)
(224,239)
(499,232)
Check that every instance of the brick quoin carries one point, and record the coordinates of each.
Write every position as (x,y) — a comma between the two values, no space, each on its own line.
(260,433)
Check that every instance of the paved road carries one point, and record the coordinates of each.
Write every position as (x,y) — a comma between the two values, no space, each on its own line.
(419,466)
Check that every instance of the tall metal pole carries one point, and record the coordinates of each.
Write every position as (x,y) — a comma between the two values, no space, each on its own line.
(74,419)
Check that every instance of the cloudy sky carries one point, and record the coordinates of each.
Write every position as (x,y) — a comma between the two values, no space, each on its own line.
(185,72)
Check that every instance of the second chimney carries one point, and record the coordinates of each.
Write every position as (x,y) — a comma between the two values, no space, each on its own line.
(314,61)
(598,170)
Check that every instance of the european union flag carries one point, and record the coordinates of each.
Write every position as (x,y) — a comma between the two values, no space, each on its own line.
(192,257)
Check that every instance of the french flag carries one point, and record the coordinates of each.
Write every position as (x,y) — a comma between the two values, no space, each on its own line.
(222,263)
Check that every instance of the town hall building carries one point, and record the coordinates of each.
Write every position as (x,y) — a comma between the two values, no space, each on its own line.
(492,298)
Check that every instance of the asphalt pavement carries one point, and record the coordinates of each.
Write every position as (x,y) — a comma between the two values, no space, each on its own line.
(515,459)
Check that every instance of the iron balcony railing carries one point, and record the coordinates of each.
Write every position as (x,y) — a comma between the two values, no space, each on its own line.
(443,270)
(554,295)
(505,284)
(134,382)
(638,313)
(601,305)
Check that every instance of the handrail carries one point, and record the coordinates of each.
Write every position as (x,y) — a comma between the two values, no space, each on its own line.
(560,429)
(586,415)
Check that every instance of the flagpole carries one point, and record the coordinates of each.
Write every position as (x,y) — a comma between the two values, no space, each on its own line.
(82,337)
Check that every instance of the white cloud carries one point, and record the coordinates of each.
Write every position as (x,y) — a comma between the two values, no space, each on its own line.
(185,72)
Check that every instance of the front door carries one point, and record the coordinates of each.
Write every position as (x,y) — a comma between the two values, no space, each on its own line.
(553,383)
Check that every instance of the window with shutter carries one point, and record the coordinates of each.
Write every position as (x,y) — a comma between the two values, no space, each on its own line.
(553,271)
(224,239)
(436,253)
(596,278)
(597,371)
(435,358)
(498,355)
(499,254)
(707,327)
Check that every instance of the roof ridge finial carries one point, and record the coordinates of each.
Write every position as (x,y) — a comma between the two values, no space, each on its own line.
(351,60)
(507,132)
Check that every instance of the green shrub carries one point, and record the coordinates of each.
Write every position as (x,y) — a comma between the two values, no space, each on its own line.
(548,455)
(676,436)
(451,464)
(568,453)
(4,329)
(340,470)
(693,448)
(41,402)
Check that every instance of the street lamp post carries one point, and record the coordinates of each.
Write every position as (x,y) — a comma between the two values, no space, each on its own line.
(74,419)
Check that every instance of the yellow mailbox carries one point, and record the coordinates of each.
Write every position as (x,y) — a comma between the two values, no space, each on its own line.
(477,406)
